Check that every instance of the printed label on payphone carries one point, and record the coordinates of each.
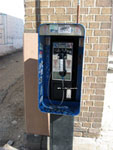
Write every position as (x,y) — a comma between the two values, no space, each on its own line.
(62,60)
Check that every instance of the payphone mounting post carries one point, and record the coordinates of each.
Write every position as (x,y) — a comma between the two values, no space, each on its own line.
(60,62)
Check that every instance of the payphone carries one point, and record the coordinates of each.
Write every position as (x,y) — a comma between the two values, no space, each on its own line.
(60,61)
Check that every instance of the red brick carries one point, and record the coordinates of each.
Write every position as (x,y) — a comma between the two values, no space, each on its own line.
(84,10)
(85,97)
(28,26)
(88,18)
(94,130)
(90,135)
(84,109)
(30,4)
(102,66)
(28,12)
(79,129)
(96,97)
(71,11)
(89,91)
(88,46)
(77,124)
(88,59)
(96,114)
(60,17)
(89,3)
(104,18)
(91,66)
(93,40)
(94,11)
(90,79)
(100,60)
(103,3)
(78,134)
(102,33)
(101,79)
(87,114)
(105,25)
(45,11)
(44,4)
(88,103)
(101,46)
(86,124)
(60,10)
(86,85)
(106,11)
(95,119)
(89,32)
(104,40)
(99,73)
(83,119)
(99,104)
(44,17)
(93,53)
(86,73)
(97,85)
(94,25)
(60,4)
(100,92)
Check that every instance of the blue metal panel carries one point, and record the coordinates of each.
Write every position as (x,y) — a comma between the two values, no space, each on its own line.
(45,104)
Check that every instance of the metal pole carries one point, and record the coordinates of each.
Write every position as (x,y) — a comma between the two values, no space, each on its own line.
(61,132)
(78,11)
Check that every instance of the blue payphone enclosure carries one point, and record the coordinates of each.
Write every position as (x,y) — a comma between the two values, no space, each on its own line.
(45,34)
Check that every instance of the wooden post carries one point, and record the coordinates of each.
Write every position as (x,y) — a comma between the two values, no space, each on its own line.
(36,121)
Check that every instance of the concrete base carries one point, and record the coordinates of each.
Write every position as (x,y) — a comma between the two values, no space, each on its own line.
(61,132)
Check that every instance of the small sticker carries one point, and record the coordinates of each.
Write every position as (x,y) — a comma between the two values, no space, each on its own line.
(68,93)
(77,31)
(40,56)
(64,29)
(69,45)
(53,28)
(45,29)
(41,46)
(55,65)
(69,63)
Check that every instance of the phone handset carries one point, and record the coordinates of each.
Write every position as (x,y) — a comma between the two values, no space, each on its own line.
(62,68)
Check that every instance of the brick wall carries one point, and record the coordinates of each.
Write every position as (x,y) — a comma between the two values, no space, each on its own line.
(96,17)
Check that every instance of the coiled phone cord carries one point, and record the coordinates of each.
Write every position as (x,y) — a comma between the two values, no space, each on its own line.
(49,107)
(62,94)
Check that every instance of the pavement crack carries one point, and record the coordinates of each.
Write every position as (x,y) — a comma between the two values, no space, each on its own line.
(4,93)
